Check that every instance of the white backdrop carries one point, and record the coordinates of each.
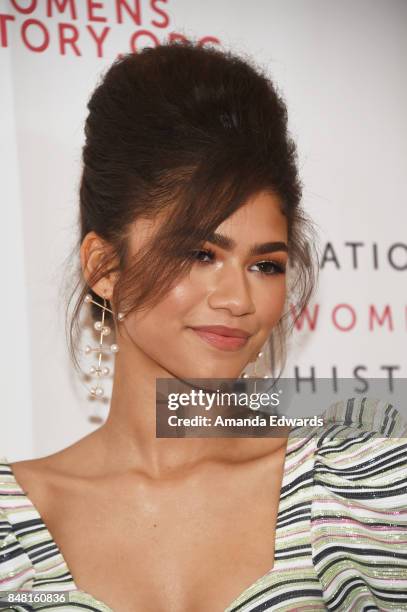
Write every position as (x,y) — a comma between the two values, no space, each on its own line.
(342,69)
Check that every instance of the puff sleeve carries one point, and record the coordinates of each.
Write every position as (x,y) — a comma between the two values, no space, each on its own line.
(359,507)
(16,568)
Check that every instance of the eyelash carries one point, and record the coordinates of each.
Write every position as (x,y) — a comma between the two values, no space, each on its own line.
(278,267)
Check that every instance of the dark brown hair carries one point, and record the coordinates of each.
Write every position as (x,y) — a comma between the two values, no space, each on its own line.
(191,133)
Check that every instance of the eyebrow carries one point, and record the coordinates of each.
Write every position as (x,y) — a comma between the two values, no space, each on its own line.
(259,248)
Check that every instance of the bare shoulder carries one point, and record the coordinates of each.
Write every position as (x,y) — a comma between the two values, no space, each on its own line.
(68,464)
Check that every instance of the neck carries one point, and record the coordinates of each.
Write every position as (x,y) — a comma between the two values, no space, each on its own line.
(128,437)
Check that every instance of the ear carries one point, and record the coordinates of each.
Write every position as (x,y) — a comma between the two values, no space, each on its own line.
(93,253)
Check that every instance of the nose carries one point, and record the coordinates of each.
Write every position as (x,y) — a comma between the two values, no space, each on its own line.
(231,290)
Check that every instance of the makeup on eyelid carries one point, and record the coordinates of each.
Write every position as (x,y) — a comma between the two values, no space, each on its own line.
(279,267)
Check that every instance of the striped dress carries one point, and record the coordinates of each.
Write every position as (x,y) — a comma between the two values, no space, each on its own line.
(341,535)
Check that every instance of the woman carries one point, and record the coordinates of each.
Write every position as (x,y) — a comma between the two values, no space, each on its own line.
(190,213)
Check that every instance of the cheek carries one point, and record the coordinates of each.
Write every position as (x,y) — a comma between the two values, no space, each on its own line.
(175,309)
(178,301)
(158,331)
(160,326)
(270,304)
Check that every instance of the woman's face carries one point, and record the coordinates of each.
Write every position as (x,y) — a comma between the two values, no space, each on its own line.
(229,285)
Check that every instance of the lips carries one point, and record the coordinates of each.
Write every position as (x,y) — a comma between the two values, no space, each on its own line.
(221,330)
(225,338)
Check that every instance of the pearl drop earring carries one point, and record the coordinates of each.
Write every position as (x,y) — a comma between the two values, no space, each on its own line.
(255,374)
(99,371)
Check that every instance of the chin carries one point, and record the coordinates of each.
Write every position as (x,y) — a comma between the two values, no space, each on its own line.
(215,373)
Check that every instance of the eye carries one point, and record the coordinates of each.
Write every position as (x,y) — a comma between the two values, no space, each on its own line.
(271,268)
(267,267)
(199,253)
